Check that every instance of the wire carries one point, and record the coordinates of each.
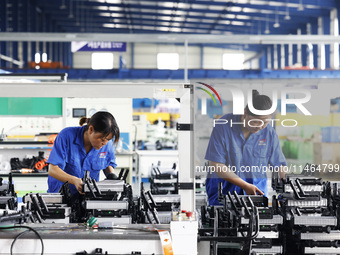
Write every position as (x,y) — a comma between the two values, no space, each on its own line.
(22,233)
(16,238)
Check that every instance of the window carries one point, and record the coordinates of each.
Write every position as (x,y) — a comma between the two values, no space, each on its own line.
(44,57)
(37,58)
(102,61)
(233,61)
(168,61)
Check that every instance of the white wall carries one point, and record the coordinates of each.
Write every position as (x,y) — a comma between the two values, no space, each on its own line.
(145,56)
(121,109)
(213,58)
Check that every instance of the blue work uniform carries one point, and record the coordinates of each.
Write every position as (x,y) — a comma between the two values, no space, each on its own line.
(69,154)
(228,146)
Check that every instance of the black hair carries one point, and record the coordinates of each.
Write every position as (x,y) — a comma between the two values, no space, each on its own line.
(102,122)
(260,102)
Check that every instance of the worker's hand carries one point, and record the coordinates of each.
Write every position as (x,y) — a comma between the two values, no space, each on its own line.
(78,183)
(251,189)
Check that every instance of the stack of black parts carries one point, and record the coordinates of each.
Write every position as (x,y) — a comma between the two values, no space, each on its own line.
(108,200)
(311,222)
(164,181)
(9,203)
(8,198)
(242,225)
(51,207)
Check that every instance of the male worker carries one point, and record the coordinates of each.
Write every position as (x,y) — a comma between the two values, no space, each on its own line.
(239,154)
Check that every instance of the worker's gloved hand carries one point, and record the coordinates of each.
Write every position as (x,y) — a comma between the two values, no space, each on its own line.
(111,176)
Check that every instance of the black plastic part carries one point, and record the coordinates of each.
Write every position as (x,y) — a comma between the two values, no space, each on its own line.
(96,187)
(189,86)
(184,127)
(42,203)
(186,185)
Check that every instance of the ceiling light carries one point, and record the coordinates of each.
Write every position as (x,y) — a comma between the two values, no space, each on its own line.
(267,31)
(113,1)
(109,25)
(301,8)
(63,6)
(235,9)
(276,24)
(70,15)
(230,16)
(287,17)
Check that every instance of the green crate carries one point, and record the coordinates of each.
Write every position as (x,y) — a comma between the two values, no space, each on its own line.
(298,150)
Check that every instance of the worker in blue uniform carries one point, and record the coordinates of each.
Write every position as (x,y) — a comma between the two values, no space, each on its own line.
(88,147)
(240,154)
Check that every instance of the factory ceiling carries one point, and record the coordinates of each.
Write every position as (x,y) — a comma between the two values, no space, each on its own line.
(217,17)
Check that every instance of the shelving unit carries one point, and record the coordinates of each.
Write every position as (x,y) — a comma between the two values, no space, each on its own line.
(37,182)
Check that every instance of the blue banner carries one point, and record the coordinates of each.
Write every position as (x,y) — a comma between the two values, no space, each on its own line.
(99,46)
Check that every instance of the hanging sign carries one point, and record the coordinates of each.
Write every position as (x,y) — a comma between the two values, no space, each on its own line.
(98,46)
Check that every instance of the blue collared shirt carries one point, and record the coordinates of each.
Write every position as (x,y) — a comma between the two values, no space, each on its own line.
(69,154)
(247,158)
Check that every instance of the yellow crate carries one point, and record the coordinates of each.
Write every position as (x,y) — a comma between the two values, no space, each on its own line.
(335,119)
(164,116)
(303,120)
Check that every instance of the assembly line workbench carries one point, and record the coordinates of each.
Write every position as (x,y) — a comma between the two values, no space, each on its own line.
(71,238)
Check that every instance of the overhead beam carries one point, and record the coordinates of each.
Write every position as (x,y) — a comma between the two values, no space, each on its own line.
(170,38)
(291,3)
(160,24)
(12,60)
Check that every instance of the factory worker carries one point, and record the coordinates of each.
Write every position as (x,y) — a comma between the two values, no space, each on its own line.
(77,149)
(241,153)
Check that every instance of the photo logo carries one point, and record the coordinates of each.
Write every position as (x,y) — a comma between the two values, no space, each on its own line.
(213,90)
(204,102)
(289,96)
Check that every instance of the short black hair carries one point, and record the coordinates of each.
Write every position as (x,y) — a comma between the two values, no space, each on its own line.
(104,123)
(260,102)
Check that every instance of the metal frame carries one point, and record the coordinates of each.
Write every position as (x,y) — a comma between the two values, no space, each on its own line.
(126,90)
(170,38)
(32,76)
